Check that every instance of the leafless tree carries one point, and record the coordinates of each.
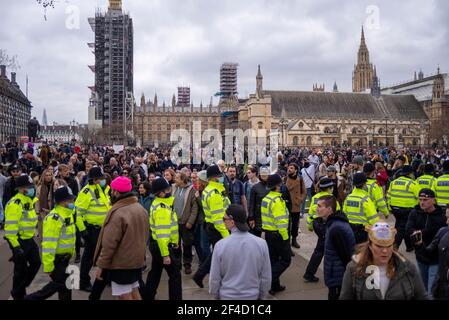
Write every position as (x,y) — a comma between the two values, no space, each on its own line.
(11,62)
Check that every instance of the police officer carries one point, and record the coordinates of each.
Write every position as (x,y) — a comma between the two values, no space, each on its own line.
(375,191)
(58,246)
(92,205)
(214,202)
(20,228)
(275,225)
(428,180)
(164,243)
(318,226)
(402,197)
(442,186)
(360,209)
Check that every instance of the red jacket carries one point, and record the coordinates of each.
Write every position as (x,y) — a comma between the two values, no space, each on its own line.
(382,178)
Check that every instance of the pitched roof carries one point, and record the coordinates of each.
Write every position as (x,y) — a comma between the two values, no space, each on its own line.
(345,105)
(12,90)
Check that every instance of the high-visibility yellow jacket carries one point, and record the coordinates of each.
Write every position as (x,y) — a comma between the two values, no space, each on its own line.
(313,205)
(215,202)
(275,214)
(164,224)
(20,219)
(359,208)
(403,193)
(427,181)
(92,205)
(442,190)
(59,235)
(376,195)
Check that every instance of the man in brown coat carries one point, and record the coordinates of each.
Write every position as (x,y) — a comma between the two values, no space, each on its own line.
(122,242)
(298,192)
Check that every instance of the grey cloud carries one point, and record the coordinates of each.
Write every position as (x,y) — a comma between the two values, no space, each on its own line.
(177,42)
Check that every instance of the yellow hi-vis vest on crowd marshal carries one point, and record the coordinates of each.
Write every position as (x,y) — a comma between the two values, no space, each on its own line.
(403,193)
(20,219)
(376,195)
(59,235)
(275,214)
(442,190)
(215,203)
(359,208)
(92,204)
(313,205)
(164,224)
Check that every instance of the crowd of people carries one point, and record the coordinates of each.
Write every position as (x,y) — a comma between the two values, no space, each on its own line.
(104,208)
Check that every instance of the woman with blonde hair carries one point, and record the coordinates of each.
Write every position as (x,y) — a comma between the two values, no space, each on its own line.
(44,194)
(379,272)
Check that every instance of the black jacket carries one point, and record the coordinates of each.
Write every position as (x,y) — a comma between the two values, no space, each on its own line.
(439,249)
(258,192)
(10,190)
(429,224)
(73,185)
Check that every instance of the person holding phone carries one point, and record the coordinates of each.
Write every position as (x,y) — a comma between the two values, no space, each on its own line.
(423,224)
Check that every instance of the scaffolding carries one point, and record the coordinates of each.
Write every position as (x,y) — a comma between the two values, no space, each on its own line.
(184,96)
(228,79)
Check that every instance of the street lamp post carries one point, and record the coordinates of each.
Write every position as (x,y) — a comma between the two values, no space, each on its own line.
(386,131)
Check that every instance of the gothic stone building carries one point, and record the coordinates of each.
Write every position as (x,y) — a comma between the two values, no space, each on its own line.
(432,92)
(15,108)
(153,123)
(332,118)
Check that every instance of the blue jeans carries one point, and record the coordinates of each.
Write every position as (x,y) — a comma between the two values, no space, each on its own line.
(309,196)
(201,242)
(428,274)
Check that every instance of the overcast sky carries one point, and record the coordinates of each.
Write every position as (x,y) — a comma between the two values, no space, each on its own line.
(184,42)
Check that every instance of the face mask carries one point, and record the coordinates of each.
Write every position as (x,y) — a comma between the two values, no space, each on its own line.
(103,182)
(30,193)
(167,195)
(221,180)
(71,206)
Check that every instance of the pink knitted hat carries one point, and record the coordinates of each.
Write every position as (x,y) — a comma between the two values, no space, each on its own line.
(121,184)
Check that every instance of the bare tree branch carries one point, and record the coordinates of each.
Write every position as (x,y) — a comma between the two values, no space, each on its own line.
(10,62)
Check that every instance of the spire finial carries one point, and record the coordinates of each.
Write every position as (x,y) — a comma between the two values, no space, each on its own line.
(259,74)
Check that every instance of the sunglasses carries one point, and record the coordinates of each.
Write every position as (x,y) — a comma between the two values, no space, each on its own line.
(224,218)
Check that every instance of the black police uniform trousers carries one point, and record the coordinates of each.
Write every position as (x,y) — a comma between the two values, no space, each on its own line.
(78,243)
(25,268)
(214,237)
(293,225)
(360,233)
(57,283)
(173,270)
(88,255)
(319,227)
(280,256)
(334,293)
(401,216)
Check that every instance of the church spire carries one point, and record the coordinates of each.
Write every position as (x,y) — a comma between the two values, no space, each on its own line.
(375,87)
(363,71)
(362,38)
(335,87)
(259,83)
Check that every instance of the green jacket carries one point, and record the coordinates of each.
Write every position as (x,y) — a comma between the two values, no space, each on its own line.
(406,283)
